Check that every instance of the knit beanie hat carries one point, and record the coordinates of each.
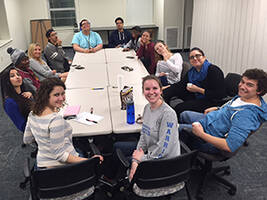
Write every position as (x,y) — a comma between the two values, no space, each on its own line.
(16,55)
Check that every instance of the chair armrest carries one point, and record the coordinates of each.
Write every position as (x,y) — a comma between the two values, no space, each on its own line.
(185,147)
(26,168)
(94,149)
(122,158)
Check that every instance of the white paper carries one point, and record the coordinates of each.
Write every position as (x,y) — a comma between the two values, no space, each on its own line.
(85,116)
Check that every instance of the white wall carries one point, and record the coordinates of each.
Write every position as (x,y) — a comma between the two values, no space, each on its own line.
(174,16)
(158,16)
(17,34)
(233,34)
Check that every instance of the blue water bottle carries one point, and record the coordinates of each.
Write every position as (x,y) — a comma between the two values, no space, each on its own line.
(130,112)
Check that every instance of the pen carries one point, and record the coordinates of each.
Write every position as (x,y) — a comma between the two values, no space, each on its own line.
(98,88)
(89,120)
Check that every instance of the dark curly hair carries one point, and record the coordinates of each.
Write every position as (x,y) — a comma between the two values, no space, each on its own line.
(260,76)
(8,90)
(42,96)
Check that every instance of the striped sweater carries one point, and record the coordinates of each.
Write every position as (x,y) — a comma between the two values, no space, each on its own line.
(53,136)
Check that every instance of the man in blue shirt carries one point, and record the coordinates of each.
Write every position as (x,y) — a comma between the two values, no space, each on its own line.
(227,128)
(86,41)
(119,37)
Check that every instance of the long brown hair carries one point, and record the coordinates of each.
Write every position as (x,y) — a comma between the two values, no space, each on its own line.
(157,56)
(43,94)
(8,91)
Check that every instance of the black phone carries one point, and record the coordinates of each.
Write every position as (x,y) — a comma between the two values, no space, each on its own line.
(79,67)
(130,57)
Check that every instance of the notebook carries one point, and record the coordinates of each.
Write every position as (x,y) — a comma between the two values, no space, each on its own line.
(72,111)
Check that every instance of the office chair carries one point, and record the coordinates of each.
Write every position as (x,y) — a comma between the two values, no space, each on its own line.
(160,178)
(206,161)
(71,181)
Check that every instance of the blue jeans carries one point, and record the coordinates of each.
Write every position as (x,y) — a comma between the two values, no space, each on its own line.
(194,142)
(187,118)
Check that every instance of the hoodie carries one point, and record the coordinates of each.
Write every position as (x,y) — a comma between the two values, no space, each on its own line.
(235,123)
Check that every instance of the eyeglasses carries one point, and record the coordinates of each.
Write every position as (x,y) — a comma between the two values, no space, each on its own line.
(197,56)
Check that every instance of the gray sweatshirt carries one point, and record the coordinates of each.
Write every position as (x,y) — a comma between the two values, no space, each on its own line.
(159,136)
(55,56)
(42,71)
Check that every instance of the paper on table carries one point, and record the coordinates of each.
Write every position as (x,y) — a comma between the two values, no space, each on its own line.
(81,117)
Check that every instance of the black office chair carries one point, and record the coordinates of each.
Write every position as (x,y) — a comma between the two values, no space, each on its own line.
(67,181)
(206,162)
(155,176)
(231,82)
(70,180)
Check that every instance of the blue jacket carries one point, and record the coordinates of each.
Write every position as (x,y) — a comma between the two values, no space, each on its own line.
(238,122)
(115,39)
(12,110)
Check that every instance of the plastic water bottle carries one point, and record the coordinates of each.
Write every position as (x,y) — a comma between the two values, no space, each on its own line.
(130,112)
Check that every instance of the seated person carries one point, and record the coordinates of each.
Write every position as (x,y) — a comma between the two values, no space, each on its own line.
(55,54)
(146,52)
(40,67)
(21,62)
(15,99)
(159,135)
(86,41)
(51,132)
(169,65)
(134,43)
(227,128)
(201,88)
(119,37)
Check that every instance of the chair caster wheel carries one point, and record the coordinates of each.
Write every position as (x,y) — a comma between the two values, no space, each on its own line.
(232,191)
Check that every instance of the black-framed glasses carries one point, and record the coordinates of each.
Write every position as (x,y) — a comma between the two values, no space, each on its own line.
(197,56)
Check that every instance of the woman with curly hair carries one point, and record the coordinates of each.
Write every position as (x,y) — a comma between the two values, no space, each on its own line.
(50,131)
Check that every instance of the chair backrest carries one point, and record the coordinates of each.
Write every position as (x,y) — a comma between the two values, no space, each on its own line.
(231,82)
(64,180)
(166,172)
(186,67)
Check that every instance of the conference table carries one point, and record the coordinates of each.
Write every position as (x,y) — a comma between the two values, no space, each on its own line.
(87,99)
(96,86)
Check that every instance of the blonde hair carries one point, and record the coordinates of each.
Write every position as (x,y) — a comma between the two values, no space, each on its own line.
(31,50)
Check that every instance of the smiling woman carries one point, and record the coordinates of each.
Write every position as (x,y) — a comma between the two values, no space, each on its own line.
(202,87)
(51,132)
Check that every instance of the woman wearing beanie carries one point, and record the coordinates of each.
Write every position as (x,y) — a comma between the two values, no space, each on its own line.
(40,67)
(21,62)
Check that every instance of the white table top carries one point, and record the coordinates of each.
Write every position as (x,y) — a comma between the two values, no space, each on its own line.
(93,75)
(117,55)
(119,117)
(84,58)
(129,77)
(87,98)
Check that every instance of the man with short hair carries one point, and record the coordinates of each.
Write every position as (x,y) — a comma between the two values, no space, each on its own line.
(54,53)
(119,37)
(86,41)
(228,127)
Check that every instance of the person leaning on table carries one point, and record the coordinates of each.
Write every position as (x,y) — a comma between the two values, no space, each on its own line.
(86,41)
(48,129)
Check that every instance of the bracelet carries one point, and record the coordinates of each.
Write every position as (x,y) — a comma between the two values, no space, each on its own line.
(135,160)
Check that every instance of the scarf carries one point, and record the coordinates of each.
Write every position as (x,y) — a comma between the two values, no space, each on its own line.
(196,77)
